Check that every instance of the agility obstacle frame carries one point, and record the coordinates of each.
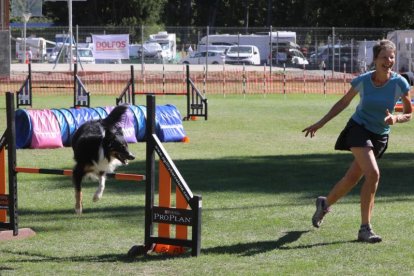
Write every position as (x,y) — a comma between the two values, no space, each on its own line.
(81,96)
(186,214)
(197,104)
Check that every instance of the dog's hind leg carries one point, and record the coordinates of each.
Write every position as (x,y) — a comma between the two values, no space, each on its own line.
(77,182)
(98,194)
(78,205)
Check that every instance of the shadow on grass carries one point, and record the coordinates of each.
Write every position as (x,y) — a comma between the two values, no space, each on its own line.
(253,248)
(312,174)
(104,258)
(88,213)
(242,249)
(305,175)
(127,215)
(308,174)
(6,268)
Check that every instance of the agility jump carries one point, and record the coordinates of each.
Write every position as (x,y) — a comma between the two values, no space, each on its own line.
(186,212)
(81,97)
(197,104)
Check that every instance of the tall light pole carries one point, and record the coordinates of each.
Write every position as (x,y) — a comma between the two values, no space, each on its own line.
(26,17)
(70,28)
(70,34)
(246,2)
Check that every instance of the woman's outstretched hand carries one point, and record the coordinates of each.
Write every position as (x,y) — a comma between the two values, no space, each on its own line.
(310,130)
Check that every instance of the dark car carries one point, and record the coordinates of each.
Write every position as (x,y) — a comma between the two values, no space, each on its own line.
(339,58)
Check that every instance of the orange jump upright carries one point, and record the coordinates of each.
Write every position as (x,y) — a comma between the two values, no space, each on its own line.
(164,229)
(165,201)
(164,197)
(180,230)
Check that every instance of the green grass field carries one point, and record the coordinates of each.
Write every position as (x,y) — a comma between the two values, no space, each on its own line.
(258,176)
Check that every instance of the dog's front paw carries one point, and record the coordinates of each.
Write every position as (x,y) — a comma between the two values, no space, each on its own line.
(78,211)
(97,196)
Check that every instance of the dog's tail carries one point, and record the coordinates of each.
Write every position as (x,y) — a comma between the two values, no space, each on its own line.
(115,116)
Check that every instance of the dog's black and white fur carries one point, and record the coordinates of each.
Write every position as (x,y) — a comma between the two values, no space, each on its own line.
(99,147)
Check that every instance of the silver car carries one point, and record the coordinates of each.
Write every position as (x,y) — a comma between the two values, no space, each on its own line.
(212,57)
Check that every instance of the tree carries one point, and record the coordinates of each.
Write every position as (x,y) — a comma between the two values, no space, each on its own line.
(233,13)
(108,12)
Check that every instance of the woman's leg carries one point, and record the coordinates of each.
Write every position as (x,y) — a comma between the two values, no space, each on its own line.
(350,179)
(368,164)
(365,164)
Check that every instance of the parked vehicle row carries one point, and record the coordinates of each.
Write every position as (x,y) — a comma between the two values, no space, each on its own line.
(265,42)
(242,54)
(251,49)
(245,54)
(158,48)
(277,48)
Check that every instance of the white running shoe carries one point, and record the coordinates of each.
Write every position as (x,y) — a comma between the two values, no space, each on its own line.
(365,234)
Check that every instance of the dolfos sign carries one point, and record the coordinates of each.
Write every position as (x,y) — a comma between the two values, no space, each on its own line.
(111,46)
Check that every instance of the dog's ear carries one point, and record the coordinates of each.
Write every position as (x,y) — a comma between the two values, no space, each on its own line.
(115,116)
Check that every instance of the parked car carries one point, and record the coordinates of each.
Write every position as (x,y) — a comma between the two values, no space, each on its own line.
(213,57)
(243,54)
(289,57)
(152,52)
(52,54)
(85,56)
(344,55)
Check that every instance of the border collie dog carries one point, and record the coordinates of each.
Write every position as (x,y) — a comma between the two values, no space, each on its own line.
(99,147)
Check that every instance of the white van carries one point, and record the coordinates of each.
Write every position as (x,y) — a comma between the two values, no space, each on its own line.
(168,45)
(243,54)
(35,45)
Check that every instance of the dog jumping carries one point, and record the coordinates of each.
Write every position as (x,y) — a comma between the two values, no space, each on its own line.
(99,147)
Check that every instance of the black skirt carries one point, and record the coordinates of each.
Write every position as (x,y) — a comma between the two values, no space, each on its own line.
(355,135)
